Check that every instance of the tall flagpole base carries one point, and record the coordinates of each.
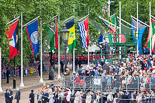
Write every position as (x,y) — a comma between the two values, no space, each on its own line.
(59,77)
(41,80)
(21,85)
(1,89)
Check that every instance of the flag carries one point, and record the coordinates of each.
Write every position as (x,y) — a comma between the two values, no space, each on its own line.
(114,21)
(105,9)
(84,32)
(141,29)
(100,38)
(12,36)
(53,33)
(71,40)
(152,34)
(33,34)
(56,35)
(110,29)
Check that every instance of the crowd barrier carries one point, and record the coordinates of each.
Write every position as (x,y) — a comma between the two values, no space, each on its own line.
(144,100)
(107,83)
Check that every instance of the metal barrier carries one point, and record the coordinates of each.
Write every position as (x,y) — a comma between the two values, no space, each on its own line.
(83,83)
(146,100)
(106,83)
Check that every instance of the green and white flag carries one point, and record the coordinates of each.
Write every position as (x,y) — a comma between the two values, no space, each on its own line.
(152,34)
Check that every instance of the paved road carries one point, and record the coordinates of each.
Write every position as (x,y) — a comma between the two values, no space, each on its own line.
(25,93)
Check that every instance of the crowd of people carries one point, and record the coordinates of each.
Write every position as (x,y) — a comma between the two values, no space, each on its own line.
(135,73)
(56,94)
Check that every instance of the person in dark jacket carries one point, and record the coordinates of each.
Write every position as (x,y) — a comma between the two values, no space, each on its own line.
(80,62)
(17,96)
(31,96)
(72,96)
(76,63)
(106,49)
(10,95)
(7,98)
(45,97)
(7,75)
(62,65)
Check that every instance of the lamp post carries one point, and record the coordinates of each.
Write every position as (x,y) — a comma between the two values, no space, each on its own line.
(65,35)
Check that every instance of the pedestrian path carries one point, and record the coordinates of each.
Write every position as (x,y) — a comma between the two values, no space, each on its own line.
(29,81)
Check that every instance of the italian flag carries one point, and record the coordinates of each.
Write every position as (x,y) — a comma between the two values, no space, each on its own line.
(152,34)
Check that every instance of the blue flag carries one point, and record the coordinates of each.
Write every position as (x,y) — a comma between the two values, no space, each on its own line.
(141,29)
(33,34)
(100,38)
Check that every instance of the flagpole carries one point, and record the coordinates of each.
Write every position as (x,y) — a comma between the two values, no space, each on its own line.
(41,56)
(150,27)
(21,84)
(152,16)
(13,20)
(59,51)
(137,29)
(140,21)
(41,51)
(127,23)
(120,29)
(74,49)
(0,70)
(109,7)
(107,21)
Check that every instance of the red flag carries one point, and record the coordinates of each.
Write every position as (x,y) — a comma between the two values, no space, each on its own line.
(86,23)
(12,39)
(56,35)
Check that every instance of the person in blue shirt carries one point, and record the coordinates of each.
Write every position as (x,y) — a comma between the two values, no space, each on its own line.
(116,69)
(96,73)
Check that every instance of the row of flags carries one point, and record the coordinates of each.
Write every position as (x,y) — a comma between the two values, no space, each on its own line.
(52,28)
(112,37)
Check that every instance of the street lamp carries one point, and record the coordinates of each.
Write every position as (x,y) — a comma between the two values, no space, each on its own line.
(65,35)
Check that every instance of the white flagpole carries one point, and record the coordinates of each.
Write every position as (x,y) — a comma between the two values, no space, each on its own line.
(0,70)
(137,29)
(59,52)
(21,84)
(41,56)
(127,23)
(107,21)
(120,28)
(140,21)
(13,20)
(41,51)
(74,52)
(150,27)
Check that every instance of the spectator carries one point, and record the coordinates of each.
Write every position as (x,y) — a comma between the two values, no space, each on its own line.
(88,98)
(110,98)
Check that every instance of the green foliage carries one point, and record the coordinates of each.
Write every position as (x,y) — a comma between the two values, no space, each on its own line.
(46,9)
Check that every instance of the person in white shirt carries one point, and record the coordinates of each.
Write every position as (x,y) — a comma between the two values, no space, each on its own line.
(88,98)
(110,98)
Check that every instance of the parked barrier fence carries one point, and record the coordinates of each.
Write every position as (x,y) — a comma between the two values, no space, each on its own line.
(107,83)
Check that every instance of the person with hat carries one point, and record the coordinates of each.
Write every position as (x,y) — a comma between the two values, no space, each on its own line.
(31,96)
